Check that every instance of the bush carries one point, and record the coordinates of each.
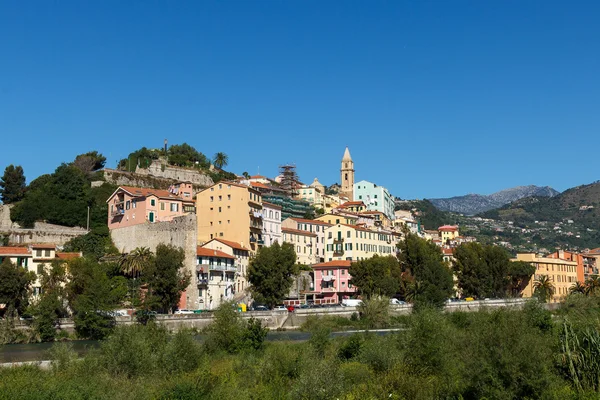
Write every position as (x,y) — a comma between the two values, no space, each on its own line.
(254,335)
(351,347)
(319,339)
(375,312)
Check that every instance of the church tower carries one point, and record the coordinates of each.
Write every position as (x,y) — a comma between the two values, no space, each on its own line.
(347,176)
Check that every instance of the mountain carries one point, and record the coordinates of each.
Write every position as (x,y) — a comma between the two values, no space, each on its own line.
(472,204)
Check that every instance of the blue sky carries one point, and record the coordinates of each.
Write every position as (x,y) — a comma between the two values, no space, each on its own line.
(434,99)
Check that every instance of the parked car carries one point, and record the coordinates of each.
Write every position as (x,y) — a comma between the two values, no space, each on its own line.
(280,307)
(183,312)
(291,308)
(397,302)
(304,306)
(260,308)
(351,302)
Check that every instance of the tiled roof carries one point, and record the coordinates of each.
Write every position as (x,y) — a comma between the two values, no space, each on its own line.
(447,251)
(8,251)
(448,228)
(204,252)
(233,245)
(335,263)
(298,232)
(67,256)
(47,246)
(311,221)
(352,204)
(145,192)
(259,185)
(257,177)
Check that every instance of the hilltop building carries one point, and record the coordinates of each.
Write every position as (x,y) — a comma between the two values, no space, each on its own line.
(375,197)
(347,176)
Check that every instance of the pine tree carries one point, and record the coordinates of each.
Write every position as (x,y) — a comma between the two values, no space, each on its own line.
(12,184)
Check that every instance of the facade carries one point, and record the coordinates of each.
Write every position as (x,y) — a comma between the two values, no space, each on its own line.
(403,219)
(241,256)
(313,226)
(129,205)
(230,211)
(271,223)
(580,259)
(332,201)
(311,195)
(448,233)
(353,206)
(376,198)
(353,243)
(380,220)
(304,244)
(215,276)
(35,257)
(332,282)
(347,176)
(333,219)
(591,261)
(562,274)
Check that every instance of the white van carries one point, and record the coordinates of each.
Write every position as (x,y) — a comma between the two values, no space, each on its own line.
(351,302)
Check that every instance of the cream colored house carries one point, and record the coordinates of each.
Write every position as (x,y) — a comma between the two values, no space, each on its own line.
(304,244)
(241,260)
(230,211)
(313,226)
(562,274)
(347,242)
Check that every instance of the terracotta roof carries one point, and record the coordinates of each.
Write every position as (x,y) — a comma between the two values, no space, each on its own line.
(311,221)
(359,228)
(335,263)
(47,246)
(372,212)
(298,232)
(233,245)
(204,252)
(259,185)
(448,228)
(257,177)
(448,251)
(145,192)
(68,256)
(351,204)
(271,205)
(7,251)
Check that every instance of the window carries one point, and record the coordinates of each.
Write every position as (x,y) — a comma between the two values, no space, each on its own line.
(219,209)
(38,253)
(127,205)
(375,196)
(174,207)
(46,253)
(343,272)
(40,269)
(162,206)
(220,186)
(348,234)
(228,197)
(330,235)
(152,202)
(219,222)
(221,234)
(133,204)
(220,198)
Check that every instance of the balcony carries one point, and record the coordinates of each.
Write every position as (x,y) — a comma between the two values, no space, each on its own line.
(338,252)
(260,242)
(338,241)
(228,268)
(202,282)
(117,212)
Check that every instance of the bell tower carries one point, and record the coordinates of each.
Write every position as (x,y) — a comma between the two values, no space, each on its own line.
(347,175)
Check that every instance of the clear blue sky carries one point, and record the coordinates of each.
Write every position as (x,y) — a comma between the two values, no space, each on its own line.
(434,99)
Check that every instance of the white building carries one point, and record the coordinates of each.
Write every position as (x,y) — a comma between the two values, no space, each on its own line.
(271,223)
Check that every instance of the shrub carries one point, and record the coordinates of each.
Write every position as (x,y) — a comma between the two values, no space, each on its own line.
(375,312)
(351,347)
(254,334)
(319,339)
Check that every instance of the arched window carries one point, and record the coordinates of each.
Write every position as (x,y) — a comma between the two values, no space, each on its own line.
(346,176)
(346,165)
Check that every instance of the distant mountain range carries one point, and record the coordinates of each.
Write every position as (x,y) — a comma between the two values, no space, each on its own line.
(472,204)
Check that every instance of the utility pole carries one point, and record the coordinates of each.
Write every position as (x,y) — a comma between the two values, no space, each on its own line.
(88,219)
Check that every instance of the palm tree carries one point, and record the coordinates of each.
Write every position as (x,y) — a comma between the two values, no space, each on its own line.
(134,264)
(220,160)
(413,289)
(578,287)
(543,288)
(592,285)
(246,175)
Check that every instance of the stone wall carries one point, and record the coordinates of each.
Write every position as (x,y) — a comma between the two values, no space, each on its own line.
(159,168)
(123,178)
(180,232)
(5,222)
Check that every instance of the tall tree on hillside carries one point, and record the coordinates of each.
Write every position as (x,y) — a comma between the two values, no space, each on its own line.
(166,278)
(270,273)
(578,287)
(376,276)
(519,275)
(423,261)
(185,155)
(136,262)
(220,160)
(50,306)
(543,288)
(89,162)
(15,283)
(592,285)
(12,184)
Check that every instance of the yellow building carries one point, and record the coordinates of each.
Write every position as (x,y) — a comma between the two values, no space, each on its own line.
(331,201)
(304,245)
(338,219)
(230,211)
(380,219)
(353,206)
(448,232)
(562,274)
(347,242)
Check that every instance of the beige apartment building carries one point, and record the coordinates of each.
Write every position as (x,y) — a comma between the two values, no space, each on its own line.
(313,226)
(347,242)
(562,273)
(304,244)
(232,212)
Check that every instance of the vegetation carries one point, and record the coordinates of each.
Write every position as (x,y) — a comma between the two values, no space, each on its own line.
(376,276)
(15,283)
(427,214)
(486,271)
(12,184)
(439,356)
(426,274)
(166,278)
(270,273)
(220,160)
(543,288)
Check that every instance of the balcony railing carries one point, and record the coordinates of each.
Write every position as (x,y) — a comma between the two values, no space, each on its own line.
(202,282)
(117,212)
(338,241)
(338,253)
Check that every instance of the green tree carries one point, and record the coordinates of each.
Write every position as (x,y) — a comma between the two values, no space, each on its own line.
(376,276)
(519,274)
(185,155)
(50,306)
(270,273)
(246,175)
(592,285)
(481,271)
(15,283)
(89,162)
(166,278)
(136,262)
(423,261)
(220,160)
(578,287)
(94,244)
(12,184)
(543,288)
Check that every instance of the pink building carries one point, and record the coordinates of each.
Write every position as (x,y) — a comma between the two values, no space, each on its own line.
(129,205)
(332,282)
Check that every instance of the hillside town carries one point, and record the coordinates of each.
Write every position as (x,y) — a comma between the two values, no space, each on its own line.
(222,226)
